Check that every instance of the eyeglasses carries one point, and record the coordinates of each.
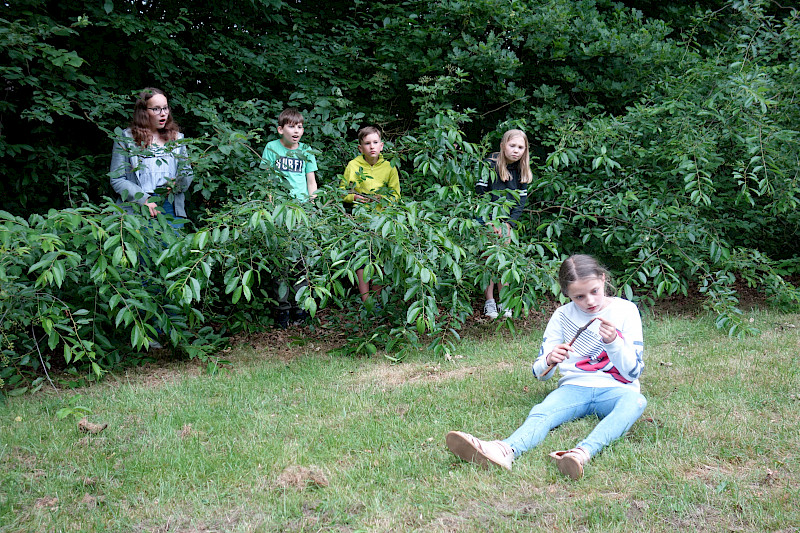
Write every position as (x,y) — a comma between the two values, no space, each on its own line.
(159,110)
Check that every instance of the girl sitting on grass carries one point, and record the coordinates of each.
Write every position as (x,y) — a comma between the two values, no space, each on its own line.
(600,367)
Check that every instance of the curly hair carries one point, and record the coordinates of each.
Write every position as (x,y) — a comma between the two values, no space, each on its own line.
(140,123)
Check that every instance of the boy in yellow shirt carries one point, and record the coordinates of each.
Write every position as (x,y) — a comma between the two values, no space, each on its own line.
(365,176)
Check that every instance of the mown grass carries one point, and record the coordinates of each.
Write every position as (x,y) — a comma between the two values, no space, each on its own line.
(322,443)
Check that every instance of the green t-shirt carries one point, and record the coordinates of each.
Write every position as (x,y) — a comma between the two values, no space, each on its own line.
(293,164)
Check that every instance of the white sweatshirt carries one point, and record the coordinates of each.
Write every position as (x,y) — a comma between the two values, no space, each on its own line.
(595,363)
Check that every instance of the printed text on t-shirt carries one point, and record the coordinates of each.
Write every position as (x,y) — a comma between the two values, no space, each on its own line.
(289,164)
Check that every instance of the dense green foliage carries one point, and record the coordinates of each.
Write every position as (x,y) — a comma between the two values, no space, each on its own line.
(664,141)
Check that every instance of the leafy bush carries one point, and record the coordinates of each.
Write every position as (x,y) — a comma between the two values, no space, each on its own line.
(84,283)
(665,146)
(697,183)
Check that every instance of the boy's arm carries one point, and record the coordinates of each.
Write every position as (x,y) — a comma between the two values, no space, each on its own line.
(311,182)
(394,183)
(268,158)
(347,178)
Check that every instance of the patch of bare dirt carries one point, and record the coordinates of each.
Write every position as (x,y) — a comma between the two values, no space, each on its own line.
(388,375)
(185,431)
(185,520)
(163,372)
(48,502)
(764,481)
(89,501)
(315,519)
(287,344)
(535,507)
(301,477)
(90,427)
(637,510)
(692,304)
(295,341)
(703,518)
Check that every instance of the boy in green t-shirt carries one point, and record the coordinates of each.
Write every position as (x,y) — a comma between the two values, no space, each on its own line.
(290,157)
(297,164)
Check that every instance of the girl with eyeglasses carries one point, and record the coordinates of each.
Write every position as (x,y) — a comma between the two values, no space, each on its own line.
(147,164)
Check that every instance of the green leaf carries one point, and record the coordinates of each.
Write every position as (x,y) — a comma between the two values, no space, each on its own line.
(425,275)
(196,288)
(413,312)
(628,291)
(310,305)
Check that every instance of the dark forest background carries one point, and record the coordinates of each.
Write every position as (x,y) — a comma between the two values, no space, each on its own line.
(663,134)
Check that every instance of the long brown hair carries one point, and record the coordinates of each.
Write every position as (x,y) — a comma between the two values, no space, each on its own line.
(140,123)
(525,175)
(578,267)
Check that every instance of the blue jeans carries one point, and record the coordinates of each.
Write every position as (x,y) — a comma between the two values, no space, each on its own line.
(617,407)
(169,209)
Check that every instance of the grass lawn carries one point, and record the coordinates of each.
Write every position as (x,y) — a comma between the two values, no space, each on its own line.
(324,443)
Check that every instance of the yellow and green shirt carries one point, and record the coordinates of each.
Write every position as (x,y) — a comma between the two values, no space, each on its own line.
(369,178)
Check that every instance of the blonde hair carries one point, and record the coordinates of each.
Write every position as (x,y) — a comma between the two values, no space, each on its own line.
(501,163)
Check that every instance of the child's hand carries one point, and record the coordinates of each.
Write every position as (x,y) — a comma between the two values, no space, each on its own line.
(559,354)
(503,230)
(607,331)
(152,206)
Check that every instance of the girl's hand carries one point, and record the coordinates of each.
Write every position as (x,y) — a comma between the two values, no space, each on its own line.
(361,199)
(607,331)
(152,206)
(559,354)
(502,231)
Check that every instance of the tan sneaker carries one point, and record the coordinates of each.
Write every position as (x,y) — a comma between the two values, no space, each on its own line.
(480,452)
(570,462)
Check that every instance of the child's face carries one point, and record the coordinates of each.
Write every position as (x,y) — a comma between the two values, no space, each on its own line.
(514,149)
(290,134)
(371,147)
(589,294)
(157,120)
